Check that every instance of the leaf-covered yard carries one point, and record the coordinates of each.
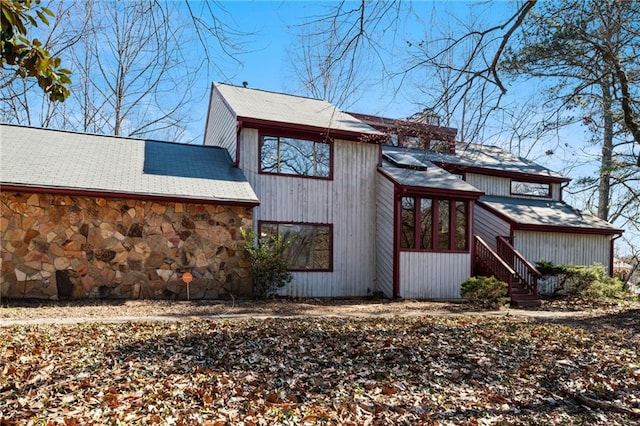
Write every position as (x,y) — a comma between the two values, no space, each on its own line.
(367,370)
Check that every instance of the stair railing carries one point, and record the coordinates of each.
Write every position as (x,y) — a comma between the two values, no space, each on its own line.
(524,270)
(490,263)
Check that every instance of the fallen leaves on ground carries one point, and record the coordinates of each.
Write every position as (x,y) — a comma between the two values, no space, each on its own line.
(315,371)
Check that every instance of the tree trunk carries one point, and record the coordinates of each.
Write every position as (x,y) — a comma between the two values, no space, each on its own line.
(604,186)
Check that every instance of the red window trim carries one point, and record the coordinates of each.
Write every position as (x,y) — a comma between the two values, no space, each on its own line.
(329,225)
(300,136)
(434,224)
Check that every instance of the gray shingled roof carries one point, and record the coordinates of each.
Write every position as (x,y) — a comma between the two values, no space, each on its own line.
(41,158)
(544,213)
(290,109)
(427,175)
(486,157)
(494,158)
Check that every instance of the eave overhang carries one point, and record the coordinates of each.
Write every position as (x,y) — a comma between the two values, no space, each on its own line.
(94,193)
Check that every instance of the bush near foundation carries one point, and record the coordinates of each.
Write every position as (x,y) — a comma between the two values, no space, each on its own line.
(268,263)
(588,282)
(487,292)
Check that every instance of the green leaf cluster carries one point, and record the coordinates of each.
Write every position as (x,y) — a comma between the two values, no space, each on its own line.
(268,263)
(29,57)
(487,292)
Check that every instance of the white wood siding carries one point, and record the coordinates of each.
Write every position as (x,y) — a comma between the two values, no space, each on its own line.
(433,275)
(491,185)
(348,202)
(384,235)
(488,226)
(563,248)
(221,126)
(501,186)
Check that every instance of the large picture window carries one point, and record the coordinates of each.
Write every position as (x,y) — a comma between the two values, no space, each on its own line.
(310,245)
(431,224)
(296,157)
(531,189)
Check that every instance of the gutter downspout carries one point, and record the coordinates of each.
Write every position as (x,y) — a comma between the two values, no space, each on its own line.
(236,162)
(562,187)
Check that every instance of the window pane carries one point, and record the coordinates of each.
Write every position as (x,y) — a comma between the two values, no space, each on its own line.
(298,157)
(309,245)
(426,224)
(268,230)
(407,237)
(269,154)
(530,188)
(322,163)
(443,225)
(461,225)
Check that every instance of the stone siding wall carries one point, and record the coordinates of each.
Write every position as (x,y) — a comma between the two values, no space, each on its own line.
(80,247)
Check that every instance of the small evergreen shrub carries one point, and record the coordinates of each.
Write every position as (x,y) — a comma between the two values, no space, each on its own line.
(268,264)
(487,292)
(588,282)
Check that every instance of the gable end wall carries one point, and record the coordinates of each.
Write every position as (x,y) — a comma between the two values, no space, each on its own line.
(221,125)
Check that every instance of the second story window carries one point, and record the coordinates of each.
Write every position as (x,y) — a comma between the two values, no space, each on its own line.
(295,157)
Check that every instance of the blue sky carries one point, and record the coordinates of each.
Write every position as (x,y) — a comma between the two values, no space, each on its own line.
(272,27)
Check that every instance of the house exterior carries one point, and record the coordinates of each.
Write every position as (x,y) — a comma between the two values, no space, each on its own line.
(89,216)
(369,205)
(373,204)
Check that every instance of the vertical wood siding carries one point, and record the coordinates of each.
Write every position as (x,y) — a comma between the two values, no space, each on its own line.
(384,236)
(488,226)
(348,202)
(221,127)
(491,185)
(563,248)
(433,275)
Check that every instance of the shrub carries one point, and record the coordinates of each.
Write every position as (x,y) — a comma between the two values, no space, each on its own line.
(589,282)
(488,292)
(268,264)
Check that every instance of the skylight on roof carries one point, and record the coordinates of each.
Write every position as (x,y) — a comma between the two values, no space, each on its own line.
(405,161)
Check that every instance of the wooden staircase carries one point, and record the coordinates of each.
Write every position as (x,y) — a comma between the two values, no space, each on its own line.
(508,265)
(522,297)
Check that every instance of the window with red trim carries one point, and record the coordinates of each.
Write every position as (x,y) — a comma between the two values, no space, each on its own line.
(310,244)
(295,157)
(433,224)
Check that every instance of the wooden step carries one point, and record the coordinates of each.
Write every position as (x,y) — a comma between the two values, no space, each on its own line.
(525,300)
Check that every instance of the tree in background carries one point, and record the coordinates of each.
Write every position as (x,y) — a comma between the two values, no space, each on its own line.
(26,58)
(587,54)
(133,75)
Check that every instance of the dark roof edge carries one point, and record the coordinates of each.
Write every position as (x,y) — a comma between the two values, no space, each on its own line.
(123,195)
(261,124)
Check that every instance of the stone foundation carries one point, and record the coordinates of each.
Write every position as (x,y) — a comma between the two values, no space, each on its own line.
(58,247)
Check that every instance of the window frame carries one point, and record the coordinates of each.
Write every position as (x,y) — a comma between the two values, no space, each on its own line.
(453,203)
(301,137)
(527,182)
(330,248)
